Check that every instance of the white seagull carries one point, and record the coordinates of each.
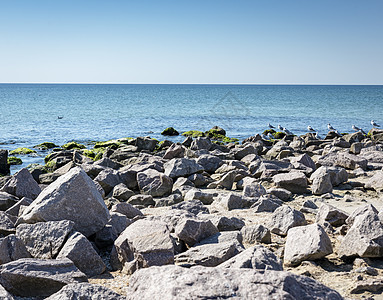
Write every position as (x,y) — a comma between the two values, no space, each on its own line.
(288,132)
(309,128)
(330,127)
(358,129)
(271,126)
(374,124)
(280,127)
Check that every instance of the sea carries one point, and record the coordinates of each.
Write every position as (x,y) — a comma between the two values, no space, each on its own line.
(34,113)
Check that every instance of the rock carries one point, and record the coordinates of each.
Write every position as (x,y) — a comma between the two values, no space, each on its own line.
(266,204)
(142,200)
(224,283)
(71,197)
(126,209)
(79,250)
(257,257)
(306,160)
(174,151)
(208,255)
(309,206)
(143,143)
(122,193)
(254,190)
(105,238)
(338,175)
(12,248)
(181,167)
(201,143)
(209,162)
(343,159)
(376,182)
(4,167)
(192,231)
(284,218)
(85,291)
(7,200)
(106,162)
(196,194)
(321,183)
(295,182)
(308,242)
(14,210)
(30,277)
(232,201)
(194,207)
(108,179)
(197,180)
(224,223)
(144,244)
(6,224)
(4,295)
(44,239)
(356,148)
(22,185)
(370,285)
(240,153)
(227,180)
(331,214)
(168,201)
(257,233)
(170,131)
(365,237)
(154,183)
(280,193)
(119,222)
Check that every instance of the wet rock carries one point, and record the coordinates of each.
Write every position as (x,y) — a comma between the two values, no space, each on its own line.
(29,277)
(257,257)
(144,244)
(284,218)
(85,291)
(71,197)
(181,167)
(154,183)
(308,242)
(12,248)
(192,231)
(224,283)
(295,182)
(328,213)
(257,233)
(79,250)
(22,185)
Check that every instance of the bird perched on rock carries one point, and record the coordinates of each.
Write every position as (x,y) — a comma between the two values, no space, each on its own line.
(337,132)
(317,136)
(309,128)
(288,132)
(358,129)
(330,127)
(374,124)
(271,126)
(280,127)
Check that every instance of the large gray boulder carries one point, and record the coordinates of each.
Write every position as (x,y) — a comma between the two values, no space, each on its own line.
(257,257)
(201,143)
(44,239)
(29,277)
(126,209)
(122,192)
(365,237)
(4,295)
(284,218)
(376,182)
(79,250)
(295,182)
(209,162)
(7,200)
(232,201)
(224,283)
(328,213)
(12,248)
(85,291)
(22,185)
(174,151)
(308,242)
(321,183)
(181,167)
(73,197)
(197,194)
(257,233)
(154,183)
(192,231)
(143,244)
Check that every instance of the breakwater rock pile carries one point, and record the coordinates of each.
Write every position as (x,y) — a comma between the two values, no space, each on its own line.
(295,218)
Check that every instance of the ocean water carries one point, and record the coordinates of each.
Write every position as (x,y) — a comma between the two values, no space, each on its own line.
(93,112)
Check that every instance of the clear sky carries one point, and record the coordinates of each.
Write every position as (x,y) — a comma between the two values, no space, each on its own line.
(210,41)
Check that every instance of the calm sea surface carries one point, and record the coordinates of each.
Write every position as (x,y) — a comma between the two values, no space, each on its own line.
(29,112)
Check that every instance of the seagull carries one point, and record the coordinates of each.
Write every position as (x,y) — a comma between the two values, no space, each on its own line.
(280,127)
(271,126)
(358,129)
(60,117)
(309,128)
(288,132)
(337,132)
(317,136)
(330,127)
(374,124)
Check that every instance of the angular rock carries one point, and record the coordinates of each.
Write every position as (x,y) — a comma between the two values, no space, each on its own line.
(257,233)
(240,153)
(254,190)
(321,184)
(306,160)
(192,231)
(174,151)
(224,283)
(280,193)
(257,257)
(295,182)
(201,143)
(141,200)
(12,248)
(22,185)
(85,291)
(106,162)
(328,213)
(376,182)
(122,193)
(30,277)
(232,201)
(126,209)
(7,200)
(4,295)
(14,210)
(285,218)
(196,194)
(224,223)
(154,183)
(308,242)
(227,180)
(44,239)
(71,197)
(144,244)
(266,204)
(6,224)
(209,162)
(181,167)
(108,179)
(194,207)
(79,250)
(119,222)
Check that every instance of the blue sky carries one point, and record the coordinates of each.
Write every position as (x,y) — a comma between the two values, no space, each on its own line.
(299,42)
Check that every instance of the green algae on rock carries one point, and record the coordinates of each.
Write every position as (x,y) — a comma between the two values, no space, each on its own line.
(94,154)
(45,146)
(271,131)
(22,150)
(13,160)
(193,133)
(73,145)
(170,131)
(279,135)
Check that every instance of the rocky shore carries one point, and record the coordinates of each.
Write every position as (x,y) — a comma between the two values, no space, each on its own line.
(208,218)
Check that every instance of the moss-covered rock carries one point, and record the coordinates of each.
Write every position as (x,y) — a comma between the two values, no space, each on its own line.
(13,160)
(45,146)
(271,131)
(111,144)
(170,131)
(94,154)
(73,145)
(193,133)
(279,135)
(51,165)
(216,130)
(22,150)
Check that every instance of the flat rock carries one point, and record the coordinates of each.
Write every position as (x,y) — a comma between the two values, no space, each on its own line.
(284,218)
(22,185)
(29,277)
(328,213)
(308,242)
(376,182)
(295,182)
(181,167)
(192,231)
(73,197)
(224,283)
(126,209)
